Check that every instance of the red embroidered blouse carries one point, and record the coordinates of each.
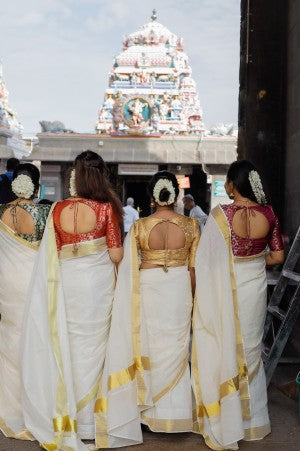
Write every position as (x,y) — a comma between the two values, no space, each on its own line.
(243,247)
(107,224)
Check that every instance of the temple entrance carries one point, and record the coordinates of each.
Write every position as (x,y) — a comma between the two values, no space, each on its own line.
(136,187)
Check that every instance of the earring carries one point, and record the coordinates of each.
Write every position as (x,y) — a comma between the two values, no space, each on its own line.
(231,196)
(152,204)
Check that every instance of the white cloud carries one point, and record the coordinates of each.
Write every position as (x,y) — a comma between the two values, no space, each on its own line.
(57,54)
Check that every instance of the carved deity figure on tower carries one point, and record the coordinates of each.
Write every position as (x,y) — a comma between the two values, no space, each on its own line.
(136,109)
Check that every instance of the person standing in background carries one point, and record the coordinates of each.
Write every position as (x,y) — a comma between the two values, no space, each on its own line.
(130,214)
(6,193)
(195,211)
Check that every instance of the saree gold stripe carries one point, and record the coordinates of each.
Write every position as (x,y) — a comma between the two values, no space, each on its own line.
(53,447)
(136,319)
(83,249)
(128,374)
(257,433)
(241,359)
(226,388)
(249,257)
(101,439)
(16,237)
(100,405)
(88,397)
(214,408)
(195,373)
(49,446)
(168,425)
(174,381)
(53,267)
(61,424)
(23,435)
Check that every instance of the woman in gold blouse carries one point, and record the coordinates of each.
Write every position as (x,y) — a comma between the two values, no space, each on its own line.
(146,378)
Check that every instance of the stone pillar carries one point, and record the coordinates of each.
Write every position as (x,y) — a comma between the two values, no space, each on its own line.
(262,92)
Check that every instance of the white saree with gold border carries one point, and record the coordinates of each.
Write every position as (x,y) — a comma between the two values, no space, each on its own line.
(228,375)
(146,377)
(65,337)
(16,265)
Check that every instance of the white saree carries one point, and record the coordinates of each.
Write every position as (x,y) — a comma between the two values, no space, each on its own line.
(65,337)
(228,375)
(16,265)
(146,377)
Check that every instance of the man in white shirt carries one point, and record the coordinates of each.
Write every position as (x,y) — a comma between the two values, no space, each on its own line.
(195,211)
(130,214)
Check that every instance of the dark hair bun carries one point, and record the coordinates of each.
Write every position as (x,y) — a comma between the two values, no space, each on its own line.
(164,195)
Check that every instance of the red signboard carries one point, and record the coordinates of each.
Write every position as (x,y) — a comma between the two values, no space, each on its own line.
(184,182)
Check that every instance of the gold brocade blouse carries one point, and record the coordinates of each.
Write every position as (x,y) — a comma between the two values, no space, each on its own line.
(184,256)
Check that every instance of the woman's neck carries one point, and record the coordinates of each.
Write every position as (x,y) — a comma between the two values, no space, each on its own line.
(21,200)
(240,200)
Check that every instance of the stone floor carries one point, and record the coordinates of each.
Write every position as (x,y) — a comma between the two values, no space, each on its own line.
(285,434)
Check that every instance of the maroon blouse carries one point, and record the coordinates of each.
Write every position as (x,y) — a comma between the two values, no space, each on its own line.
(107,224)
(244,247)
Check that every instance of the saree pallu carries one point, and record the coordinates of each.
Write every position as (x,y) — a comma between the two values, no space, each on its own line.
(228,375)
(65,337)
(146,376)
(16,265)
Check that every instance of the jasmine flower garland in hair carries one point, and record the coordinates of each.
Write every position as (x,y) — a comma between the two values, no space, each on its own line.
(257,187)
(72,187)
(22,186)
(159,186)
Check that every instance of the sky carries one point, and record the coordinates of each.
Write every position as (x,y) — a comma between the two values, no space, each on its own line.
(56,55)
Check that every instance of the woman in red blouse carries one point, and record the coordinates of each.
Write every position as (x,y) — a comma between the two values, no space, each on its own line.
(70,309)
(238,241)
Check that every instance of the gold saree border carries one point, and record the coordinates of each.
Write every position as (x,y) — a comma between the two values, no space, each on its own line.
(53,447)
(88,397)
(126,375)
(6,229)
(100,409)
(62,423)
(198,420)
(223,225)
(83,248)
(249,257)
(53,269)
(168,425)
(172,384)
(257,433)
(136,321)
(8,432)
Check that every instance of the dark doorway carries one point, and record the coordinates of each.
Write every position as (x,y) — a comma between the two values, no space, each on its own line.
(136,187)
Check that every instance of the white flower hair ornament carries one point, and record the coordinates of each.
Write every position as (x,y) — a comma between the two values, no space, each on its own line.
(72,187)
(159,186)
(22,186)
(257,187)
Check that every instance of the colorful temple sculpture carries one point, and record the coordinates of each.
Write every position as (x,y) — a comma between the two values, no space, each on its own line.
(10,128)
(151,90)
(8,117)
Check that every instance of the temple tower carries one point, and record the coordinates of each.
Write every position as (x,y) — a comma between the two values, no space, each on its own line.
(150,88)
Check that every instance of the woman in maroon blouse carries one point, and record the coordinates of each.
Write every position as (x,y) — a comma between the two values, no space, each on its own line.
(69,312)
(238,241)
